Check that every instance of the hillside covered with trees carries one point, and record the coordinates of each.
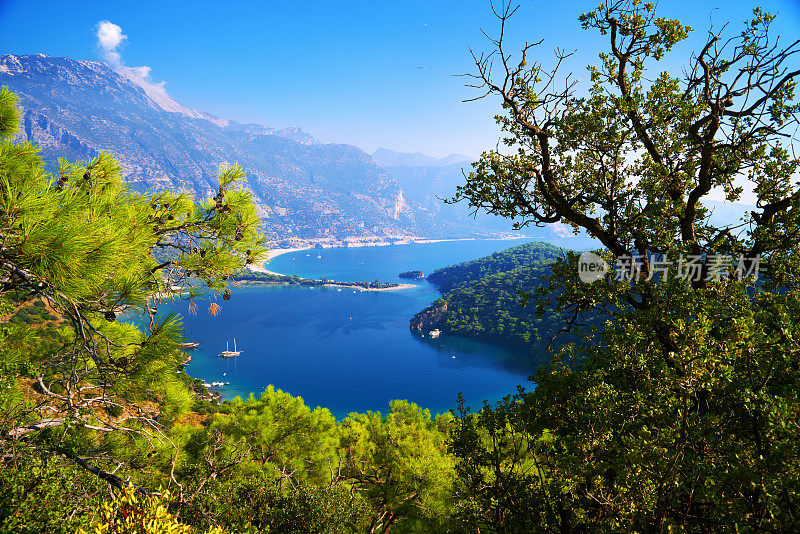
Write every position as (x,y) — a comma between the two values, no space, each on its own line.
(89,403)
(681,415)
(487,298)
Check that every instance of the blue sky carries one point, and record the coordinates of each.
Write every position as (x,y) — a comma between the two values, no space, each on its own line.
(373,74)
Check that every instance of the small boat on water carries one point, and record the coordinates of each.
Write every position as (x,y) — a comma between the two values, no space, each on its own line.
(228,353)
(189,346)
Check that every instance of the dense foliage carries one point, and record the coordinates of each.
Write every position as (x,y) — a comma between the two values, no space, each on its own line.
(487,298)
(90,404)
(469,272)
(680,413)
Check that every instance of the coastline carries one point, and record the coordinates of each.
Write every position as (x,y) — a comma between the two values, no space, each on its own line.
(338,286)
(274,253)
(261,269)
(228,392)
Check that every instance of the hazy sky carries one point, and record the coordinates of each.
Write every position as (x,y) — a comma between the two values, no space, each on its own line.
(373,74)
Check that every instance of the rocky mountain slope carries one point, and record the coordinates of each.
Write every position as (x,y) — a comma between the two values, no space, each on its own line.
(303,189)
(426,183)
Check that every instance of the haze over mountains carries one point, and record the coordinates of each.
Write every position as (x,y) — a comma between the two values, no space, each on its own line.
(389,158)
(75,109)
(304,190)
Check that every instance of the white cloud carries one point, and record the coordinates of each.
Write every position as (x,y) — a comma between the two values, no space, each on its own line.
(109,35)
(109,39)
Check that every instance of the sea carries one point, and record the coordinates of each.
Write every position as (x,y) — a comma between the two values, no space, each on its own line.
(348,350)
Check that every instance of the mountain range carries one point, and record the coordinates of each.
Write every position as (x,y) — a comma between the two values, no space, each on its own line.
(303,189)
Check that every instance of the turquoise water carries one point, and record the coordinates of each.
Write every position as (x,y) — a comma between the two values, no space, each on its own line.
(349,350)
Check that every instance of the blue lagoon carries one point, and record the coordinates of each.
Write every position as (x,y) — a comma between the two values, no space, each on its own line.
(350,350)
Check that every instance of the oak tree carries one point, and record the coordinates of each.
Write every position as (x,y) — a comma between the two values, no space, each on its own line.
(680,411)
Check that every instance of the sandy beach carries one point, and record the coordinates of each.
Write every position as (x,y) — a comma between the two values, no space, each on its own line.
(261,269)
(355,288)
(275,252)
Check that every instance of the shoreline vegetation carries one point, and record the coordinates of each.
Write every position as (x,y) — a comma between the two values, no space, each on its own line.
(259,275)
(486,298)
(674,408)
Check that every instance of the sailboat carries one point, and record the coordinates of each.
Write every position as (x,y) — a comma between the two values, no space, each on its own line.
(227,353)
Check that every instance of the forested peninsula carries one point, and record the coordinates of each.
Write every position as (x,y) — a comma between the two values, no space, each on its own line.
(487,298)
(288,279)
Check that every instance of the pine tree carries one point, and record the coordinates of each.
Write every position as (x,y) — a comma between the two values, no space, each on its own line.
(91,249)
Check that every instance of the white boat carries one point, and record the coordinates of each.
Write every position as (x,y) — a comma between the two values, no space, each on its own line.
(189,345)
(227,353)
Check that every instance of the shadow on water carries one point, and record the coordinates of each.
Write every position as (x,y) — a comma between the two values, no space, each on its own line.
(472,353)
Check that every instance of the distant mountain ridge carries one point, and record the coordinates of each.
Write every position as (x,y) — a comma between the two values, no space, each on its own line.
(389,158)
(303,189)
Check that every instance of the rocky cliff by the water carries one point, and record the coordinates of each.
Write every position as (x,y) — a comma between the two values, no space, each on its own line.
(430,318)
